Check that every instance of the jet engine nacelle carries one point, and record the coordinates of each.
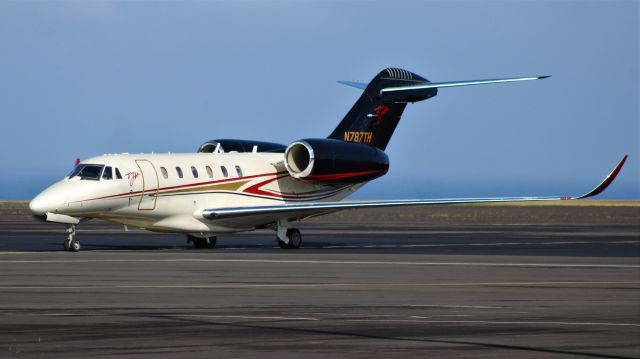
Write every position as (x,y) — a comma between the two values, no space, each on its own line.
(334,162)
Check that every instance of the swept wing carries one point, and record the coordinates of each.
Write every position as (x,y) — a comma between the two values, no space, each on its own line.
(298,211)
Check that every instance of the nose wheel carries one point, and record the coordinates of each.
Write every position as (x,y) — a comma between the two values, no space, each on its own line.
(71,244)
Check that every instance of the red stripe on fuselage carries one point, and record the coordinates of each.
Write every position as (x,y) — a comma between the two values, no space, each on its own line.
(333,176)
(254,189)
(185,186)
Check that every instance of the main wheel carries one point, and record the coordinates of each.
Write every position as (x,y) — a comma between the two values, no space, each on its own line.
(295,238)
(209,242)
(198,243)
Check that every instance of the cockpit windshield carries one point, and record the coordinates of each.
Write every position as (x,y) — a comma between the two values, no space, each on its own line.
(83,171)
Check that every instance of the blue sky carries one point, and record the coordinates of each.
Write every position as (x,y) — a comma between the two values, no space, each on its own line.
(79,79)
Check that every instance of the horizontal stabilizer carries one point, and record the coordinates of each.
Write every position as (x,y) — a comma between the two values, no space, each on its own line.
(358,85)
(416,92)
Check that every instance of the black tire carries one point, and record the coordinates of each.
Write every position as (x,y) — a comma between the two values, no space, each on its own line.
(295,238)
(67,245)
(209,242)
(194,240)
(75,246)
(201,243)
(282,244)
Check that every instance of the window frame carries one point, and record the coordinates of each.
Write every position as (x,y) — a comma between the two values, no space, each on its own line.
(104,172)
(79,168)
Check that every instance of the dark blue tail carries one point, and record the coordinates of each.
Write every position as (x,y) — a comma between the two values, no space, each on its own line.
(373,119)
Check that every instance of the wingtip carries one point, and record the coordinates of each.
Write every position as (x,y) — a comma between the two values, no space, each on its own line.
(607,181)
(620,164)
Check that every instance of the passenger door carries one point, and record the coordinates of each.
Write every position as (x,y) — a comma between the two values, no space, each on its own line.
(149,185)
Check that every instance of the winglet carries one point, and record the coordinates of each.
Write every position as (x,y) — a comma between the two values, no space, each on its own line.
(607,181)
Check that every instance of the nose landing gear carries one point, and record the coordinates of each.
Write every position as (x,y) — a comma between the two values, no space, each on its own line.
(71,244)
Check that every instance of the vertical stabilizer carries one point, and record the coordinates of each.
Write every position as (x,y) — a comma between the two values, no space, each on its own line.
(374,117)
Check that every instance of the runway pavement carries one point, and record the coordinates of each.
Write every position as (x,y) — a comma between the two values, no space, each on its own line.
(402,289)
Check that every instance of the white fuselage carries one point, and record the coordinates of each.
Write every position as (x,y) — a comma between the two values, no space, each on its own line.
(152,195)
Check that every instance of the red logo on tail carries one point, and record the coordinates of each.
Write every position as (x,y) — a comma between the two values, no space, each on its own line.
(381,111)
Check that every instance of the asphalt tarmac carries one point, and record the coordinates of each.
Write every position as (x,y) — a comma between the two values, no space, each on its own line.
(369,290)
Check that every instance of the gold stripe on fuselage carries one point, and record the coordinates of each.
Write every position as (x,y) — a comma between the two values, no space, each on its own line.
(232,186)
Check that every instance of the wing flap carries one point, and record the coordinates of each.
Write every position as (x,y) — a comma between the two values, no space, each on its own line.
(308,209)
(297,211)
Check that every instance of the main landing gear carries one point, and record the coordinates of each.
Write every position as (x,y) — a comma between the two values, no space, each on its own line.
(288,237)
(71,244)
(198,242)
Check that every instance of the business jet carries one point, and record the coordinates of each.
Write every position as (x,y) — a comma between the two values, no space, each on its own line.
(232,186)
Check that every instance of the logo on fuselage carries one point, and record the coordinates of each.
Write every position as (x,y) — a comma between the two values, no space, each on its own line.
(132,177)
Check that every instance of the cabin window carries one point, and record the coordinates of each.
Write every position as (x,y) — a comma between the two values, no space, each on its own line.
(209,171)
(107,174)
(239,171)
(224,171)
(118,175)
(179,171)
(91,172)
(165,174)
(194,171)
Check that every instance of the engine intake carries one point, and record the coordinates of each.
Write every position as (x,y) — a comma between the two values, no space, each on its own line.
(334,162)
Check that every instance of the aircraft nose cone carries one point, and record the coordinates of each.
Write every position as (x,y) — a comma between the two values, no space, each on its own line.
(39,206)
